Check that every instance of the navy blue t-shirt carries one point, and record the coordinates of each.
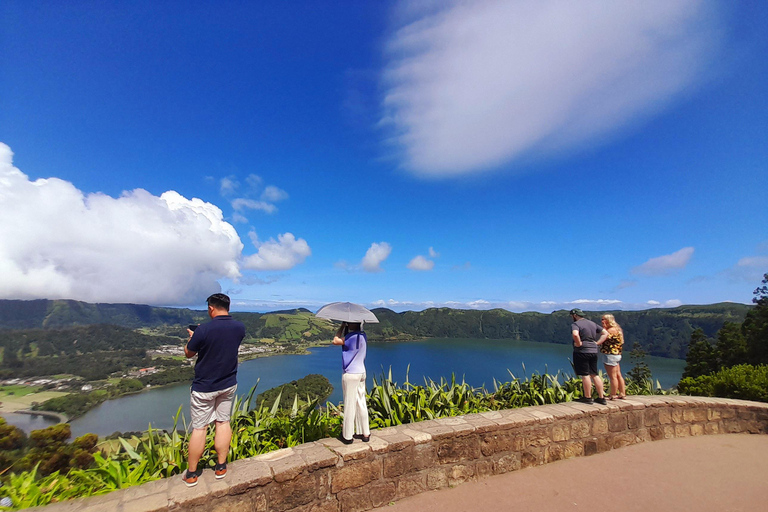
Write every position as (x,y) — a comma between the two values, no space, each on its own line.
(216,344)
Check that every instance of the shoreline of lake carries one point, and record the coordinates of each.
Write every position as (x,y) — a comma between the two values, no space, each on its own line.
(479,361)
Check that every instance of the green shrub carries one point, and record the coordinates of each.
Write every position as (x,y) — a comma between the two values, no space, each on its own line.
(745,382)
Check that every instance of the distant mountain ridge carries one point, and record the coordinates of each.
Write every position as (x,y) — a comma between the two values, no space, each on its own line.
(662,332)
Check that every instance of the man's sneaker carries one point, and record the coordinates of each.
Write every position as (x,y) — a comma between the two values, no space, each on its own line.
(365,439)
(585,400)
(220,470)
(601,401)
(190,478)
(345,440)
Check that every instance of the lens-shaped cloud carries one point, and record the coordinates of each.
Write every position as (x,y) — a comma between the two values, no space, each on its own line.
(474,85)
(57,242)
(667,264)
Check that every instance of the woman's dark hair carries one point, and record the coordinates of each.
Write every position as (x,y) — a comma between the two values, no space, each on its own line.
(219,301)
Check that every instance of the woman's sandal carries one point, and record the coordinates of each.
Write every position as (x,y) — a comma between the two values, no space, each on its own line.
(613,397)
(622,397)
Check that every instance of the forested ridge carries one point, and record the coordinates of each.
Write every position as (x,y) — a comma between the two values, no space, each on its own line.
(661,332)
(41,329)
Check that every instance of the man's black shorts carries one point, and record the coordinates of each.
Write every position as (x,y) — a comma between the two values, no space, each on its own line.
(585,364)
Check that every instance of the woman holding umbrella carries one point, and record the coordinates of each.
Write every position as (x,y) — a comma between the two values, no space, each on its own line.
(353,349)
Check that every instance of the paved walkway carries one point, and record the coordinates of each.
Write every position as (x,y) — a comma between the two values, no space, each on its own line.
(710,473)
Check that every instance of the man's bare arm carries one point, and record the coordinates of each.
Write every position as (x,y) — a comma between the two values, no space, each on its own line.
(188,353)
(576,339)
(603,337)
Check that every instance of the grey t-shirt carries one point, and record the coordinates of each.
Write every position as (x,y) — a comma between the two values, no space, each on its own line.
(589,333)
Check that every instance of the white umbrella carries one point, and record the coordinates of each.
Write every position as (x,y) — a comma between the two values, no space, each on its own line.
(347,312)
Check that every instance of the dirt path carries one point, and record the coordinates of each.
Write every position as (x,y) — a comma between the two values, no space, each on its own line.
(712,473)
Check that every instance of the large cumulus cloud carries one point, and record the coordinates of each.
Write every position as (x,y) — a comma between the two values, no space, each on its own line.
(57,242)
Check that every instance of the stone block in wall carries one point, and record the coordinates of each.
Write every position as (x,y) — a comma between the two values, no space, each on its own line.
(657,433)
(246,474)
(347,452)
(460,473)
(573,449)
(437,478)
(481,424)
(458,449)
(316,456)
(293,493)
(561,431)
(354,500)
(382,493)
(617,422)
(398,463)
(287,467)
(714,414)
(651,417)
(590,447)
(424,456)
(642,435)
(733,426)
(416,436)
(239,503)
(483,468)
(505,463)
(712,427)
(397,441)
(623,439)
(694,415)
(682,430)
(356,474)
(665,416)
(538,435)
(553,452)
(410,485)
(697,429)
(583,428)
(497,442)
(635,419)
(605,443)
(531,457)
(728,413)
(326,505)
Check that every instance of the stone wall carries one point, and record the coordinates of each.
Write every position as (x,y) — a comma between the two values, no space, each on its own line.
(328,476)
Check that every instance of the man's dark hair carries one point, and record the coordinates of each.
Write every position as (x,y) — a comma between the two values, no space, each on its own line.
(218,301)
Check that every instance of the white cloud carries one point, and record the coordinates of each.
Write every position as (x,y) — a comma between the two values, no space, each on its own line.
(750,269)
(375,256)
(421,264)
(242,204)
(282,254)
(433,253)
(473,85)
(667,264)
(274,194)
(228,185)
(653,303)
(63,243)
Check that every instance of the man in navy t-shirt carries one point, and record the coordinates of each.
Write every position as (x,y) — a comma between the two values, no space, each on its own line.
(215,343)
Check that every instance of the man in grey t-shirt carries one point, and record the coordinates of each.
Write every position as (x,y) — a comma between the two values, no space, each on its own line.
(585,341)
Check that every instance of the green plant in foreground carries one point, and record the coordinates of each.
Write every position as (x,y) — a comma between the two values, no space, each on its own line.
(160,454)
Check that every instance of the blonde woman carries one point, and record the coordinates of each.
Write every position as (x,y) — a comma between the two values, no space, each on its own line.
(611,350)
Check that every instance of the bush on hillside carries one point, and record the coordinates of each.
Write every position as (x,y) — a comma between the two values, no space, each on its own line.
(744,381)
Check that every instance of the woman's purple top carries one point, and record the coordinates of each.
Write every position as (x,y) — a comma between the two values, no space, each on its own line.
(353,352)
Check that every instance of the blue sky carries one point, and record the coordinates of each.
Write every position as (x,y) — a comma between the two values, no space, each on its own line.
(524,155)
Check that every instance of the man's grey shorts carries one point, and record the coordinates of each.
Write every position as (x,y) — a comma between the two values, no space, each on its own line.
(214,406)
(611,360)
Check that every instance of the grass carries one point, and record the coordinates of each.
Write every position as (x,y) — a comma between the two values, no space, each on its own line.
(10,403)
(17,390)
